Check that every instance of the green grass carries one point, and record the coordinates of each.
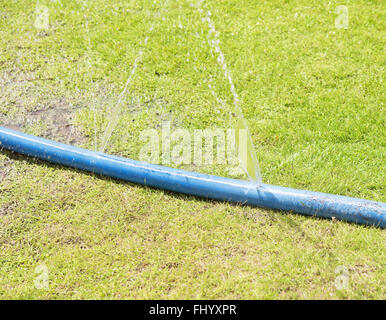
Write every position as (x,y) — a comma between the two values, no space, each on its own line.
(313,96)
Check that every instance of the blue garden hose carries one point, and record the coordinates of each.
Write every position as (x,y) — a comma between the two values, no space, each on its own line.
(197,184)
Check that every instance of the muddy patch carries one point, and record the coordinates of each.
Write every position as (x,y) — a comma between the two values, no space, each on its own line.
(30,106)
(8,208)
(58,122)
(5,168)
(55,124)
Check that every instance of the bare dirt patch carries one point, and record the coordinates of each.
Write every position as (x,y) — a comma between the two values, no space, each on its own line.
(8,208)
(5,168)
(27,104)
(58,121)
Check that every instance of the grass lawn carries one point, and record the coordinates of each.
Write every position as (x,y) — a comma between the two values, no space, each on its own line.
(313,96)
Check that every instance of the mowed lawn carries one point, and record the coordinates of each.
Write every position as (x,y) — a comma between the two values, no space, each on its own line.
(312,93)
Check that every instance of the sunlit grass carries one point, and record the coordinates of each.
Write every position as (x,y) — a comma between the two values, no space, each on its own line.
(313,96)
